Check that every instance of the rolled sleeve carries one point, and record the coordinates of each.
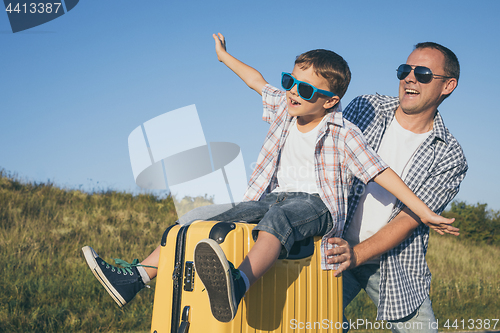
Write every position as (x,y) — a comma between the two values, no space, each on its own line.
(362,160)
(272,100)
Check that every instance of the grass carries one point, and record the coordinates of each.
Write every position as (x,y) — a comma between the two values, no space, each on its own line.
(47,287)
(465,284)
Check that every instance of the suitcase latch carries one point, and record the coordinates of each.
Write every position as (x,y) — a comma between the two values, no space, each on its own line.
(189,276)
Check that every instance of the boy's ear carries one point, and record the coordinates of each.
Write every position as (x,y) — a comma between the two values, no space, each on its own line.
(330,103)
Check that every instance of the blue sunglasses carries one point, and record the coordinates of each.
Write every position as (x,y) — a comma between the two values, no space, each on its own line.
(306,91)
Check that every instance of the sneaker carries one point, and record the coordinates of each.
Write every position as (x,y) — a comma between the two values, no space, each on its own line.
(224,284)
(122,284)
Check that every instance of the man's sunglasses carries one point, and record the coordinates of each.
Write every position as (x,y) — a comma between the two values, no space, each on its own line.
(422,74)
(305,90)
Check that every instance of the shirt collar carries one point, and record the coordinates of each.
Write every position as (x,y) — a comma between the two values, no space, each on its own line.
(335,117)
(438,128)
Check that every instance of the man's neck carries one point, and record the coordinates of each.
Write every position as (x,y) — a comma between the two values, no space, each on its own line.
(416,123)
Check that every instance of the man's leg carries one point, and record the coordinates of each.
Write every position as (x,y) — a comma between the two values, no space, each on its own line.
(422,320)
(419,321)
(356,279)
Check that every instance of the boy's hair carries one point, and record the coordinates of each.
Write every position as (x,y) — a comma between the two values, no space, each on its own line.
(329,65)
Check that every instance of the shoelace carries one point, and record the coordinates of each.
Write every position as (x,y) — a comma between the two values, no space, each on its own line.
(127,267)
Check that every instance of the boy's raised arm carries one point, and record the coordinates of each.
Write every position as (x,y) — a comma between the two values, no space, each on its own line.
(389,180)
(249,75)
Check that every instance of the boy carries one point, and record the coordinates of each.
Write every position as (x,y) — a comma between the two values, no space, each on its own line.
(299,187)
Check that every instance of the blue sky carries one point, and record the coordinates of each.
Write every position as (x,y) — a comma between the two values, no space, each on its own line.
(73,89)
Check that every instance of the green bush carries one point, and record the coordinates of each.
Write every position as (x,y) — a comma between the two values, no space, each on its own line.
(475,222)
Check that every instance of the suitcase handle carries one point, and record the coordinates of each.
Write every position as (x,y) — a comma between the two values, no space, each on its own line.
(184,327)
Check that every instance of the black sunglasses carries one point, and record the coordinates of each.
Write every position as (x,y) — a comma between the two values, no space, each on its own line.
(422,74)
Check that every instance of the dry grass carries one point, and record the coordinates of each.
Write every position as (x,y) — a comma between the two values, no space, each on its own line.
(465,284)
(47,287)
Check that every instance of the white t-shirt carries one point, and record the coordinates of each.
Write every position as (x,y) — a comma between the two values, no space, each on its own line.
(296,167)
(375,205)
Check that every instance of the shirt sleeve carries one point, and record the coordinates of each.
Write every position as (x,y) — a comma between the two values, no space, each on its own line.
(443,182)
(272,100)
(361,159)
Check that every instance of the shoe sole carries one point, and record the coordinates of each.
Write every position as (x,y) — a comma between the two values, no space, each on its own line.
(90,256)
(214,272)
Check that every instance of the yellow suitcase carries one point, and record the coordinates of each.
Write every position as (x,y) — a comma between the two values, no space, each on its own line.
(293,296)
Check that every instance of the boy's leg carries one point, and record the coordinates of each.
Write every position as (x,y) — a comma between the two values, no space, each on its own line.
(226,285)
(204,212)
(151,263)
(291,217)
(123,287)
(295,217)
(261,257)
(122,283)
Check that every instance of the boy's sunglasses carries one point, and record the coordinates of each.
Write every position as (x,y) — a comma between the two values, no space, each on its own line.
(305,90)
(422,74)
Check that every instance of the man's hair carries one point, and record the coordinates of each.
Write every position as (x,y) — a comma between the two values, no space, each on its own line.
(329,65)
(451,65)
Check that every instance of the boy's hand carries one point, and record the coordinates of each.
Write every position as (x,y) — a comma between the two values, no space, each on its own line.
(249,75)
(220,45)
(441,225)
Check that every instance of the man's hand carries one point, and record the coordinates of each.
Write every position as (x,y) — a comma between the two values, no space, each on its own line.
(343,254)
(220,45)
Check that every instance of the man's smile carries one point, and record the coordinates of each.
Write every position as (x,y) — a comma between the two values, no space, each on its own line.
(412,92)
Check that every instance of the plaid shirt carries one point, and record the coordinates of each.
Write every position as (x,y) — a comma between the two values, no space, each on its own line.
(437,169)
(341,152)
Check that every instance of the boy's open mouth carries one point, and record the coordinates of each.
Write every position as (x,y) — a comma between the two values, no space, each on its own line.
(294,102)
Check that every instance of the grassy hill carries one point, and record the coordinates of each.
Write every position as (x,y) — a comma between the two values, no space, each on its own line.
(47,287)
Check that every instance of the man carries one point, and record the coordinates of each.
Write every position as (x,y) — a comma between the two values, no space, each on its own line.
(385,243)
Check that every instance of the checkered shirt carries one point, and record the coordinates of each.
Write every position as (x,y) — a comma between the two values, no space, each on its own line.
(437,169)
(341,153)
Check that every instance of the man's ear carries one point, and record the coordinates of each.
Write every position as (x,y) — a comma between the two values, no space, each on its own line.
(331,102)
(449,86)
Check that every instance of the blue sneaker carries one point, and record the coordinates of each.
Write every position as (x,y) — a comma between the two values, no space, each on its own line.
(224,284)
(122,284)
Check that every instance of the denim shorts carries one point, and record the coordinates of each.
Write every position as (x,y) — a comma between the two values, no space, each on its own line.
(289,216)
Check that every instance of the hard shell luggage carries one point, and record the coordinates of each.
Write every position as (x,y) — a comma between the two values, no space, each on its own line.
(296,295)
